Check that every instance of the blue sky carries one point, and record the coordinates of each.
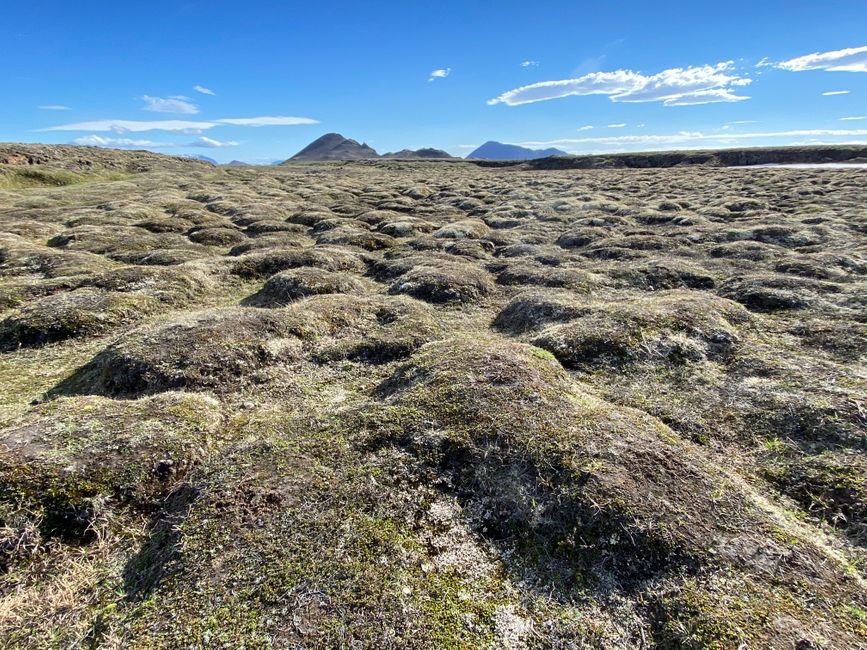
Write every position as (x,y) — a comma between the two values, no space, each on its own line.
(257,80)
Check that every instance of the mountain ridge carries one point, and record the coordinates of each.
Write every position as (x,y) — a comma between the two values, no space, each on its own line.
(493,150)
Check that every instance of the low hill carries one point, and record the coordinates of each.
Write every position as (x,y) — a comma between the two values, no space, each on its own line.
(333,146)
(426,153)
(492,150)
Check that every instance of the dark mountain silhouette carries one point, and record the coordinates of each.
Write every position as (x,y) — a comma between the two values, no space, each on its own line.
(333,146)
(498,151)
(426,152)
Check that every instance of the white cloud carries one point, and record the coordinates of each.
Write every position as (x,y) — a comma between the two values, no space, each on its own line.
(178,126)
(853,59)
(129,143)
(117,143)
(854,119)
(267,121)
(177,104)
(210,143)
(616,126)
(441,73)
(135,126)
(831,93)
(691,137)
(674,87)
(203,90)
(711,96)
(54,107)
(468,146)
(529,64)
(586,127)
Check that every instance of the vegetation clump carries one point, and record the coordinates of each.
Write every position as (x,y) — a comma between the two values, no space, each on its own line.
(286,286)
(79,313)
(452,283)
(675,327)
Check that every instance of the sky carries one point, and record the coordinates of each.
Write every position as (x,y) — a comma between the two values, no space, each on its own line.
(257,81)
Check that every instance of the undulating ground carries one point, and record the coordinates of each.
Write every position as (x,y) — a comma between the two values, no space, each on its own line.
(426,405)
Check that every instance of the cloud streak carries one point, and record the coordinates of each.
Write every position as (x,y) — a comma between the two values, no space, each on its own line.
(853,59)
(690,137)
(177,126)
(673,87)
(131,143)
(831,93)
(267,121)
(177,104)
(203,90)
(54,107)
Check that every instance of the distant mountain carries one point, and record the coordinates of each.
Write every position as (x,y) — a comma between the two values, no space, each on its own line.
(202,158)
(236,163)
(333,146)
(427,152)
(498,151)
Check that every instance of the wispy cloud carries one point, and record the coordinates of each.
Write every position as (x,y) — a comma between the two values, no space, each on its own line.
(529,64)
(54,107)
(210,143)
(674,87)
(586,127)
(853,59)
(441,73)
(267,121)
(177,126)
(831,93)
(130,143)
(855,118)
(203,90)
(685,138)
(468,146)
(176,104)
(116,143)
(616,126)
(135,126)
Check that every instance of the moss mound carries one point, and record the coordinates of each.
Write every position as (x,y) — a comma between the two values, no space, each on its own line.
(534,274)
(175,286)
(213,349)
(563,479)
(466,228)
(79,313)
(293,284)
(267,263)
(533,310)
(354,236)
(71,453)
(664,274)
(767,293)
(217,236)
(830,485)
(445,283)
(675,327)
(372,329)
